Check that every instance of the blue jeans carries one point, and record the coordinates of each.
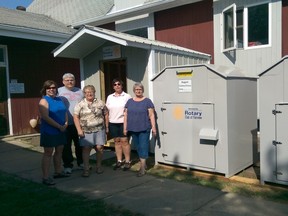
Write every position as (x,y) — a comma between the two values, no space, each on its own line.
(141,141)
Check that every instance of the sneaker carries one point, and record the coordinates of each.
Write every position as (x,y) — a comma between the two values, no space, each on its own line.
(48,182)
(60,175)
(68,170)
(118,165)
(81,167)
(127,166)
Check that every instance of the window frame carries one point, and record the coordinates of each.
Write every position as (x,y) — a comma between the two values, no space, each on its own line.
(233,47)
(245,27)
(245,14)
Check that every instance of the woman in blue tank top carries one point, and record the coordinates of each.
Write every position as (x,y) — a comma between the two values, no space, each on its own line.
(54,120)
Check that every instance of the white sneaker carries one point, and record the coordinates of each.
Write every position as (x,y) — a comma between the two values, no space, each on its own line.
(81,167)
(68,170)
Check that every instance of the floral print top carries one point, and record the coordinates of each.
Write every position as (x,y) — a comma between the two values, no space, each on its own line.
(91,115)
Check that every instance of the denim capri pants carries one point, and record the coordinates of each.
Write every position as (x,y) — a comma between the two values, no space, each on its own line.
(94,138)
(141,141)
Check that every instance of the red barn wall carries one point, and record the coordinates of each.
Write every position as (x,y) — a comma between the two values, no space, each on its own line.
(32,63)
(189,26)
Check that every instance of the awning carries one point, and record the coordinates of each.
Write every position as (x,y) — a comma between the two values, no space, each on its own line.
(89,38)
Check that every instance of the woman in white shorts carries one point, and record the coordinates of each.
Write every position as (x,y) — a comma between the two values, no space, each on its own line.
(91,121)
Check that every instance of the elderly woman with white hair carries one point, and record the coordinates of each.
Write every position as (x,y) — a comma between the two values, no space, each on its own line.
(139,119)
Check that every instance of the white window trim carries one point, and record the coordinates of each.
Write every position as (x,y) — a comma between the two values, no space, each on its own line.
(245,37)
(234,29)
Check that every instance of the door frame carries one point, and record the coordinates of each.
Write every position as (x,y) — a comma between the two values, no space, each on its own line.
(106,75)
(6,66)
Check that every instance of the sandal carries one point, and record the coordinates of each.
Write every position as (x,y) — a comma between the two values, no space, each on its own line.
(141,173)
(85,173)
(99,170)
(118,165)
(127,166)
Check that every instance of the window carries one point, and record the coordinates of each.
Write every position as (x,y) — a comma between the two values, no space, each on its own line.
(2,60)
(142,32)
(258,25)
(239,28)
(229,35)
(245,27)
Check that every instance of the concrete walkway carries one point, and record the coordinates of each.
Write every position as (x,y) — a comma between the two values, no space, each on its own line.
(147,195)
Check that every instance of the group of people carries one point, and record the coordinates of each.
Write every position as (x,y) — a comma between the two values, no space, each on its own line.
(71,114)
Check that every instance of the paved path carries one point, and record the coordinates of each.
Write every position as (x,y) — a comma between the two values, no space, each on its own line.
(147,195)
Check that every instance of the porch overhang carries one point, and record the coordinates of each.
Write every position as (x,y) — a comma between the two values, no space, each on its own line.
(89,38)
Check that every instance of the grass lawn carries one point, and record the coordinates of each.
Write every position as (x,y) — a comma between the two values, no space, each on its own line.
(20,197)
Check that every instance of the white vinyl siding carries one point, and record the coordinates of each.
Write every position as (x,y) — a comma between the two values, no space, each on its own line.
(253,59)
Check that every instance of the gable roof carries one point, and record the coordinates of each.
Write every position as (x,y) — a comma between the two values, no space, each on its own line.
(22,24)
(88,38)
(70,11)
(98,12)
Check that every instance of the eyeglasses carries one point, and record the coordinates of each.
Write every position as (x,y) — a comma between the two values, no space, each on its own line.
(89,92)
(117,84)
(51,88)
(69,80)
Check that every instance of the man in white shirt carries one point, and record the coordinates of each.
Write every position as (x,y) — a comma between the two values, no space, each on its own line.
(71,95)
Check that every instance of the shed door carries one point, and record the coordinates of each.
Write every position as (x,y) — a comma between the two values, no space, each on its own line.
(182,124)
(282,139)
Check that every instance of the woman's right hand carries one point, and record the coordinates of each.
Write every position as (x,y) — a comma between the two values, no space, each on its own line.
(125,132)
(81,133)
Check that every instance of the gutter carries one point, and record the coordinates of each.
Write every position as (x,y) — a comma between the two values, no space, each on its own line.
(33,34)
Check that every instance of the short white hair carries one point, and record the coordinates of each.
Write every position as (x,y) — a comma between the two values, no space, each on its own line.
(68,75)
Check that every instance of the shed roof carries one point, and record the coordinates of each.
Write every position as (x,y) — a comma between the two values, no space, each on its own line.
(281,60)
(22,24)
(221,70)
(88,38)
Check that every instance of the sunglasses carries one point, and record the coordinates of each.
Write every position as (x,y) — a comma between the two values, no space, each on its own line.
(51,88)
(117,84)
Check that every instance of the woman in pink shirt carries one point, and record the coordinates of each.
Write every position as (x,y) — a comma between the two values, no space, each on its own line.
(115,104)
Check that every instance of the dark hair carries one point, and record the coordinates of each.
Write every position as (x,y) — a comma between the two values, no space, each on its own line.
(117,80)
(46,85)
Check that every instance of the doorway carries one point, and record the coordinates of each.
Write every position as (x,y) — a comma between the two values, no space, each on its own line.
(111,70)
(3,103)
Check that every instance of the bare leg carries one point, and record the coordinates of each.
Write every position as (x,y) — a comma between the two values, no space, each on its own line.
(46,161)
(86,154)
(126,149)
(142,170)
(57,157)
(99,155)
(118,148)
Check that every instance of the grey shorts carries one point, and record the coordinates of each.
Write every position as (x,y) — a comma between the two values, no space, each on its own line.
(93,139)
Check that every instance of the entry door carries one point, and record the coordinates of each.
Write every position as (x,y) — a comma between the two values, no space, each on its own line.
(3,103)
(182,124)
(282,139)
(110,71)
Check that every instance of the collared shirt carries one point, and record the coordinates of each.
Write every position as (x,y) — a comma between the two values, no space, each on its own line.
(115,104)
(91,115)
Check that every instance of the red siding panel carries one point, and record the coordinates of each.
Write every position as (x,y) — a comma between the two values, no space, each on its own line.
(32,63)
(189,26)
(284,27)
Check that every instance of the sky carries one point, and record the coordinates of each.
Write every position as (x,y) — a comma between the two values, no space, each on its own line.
(12,4)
